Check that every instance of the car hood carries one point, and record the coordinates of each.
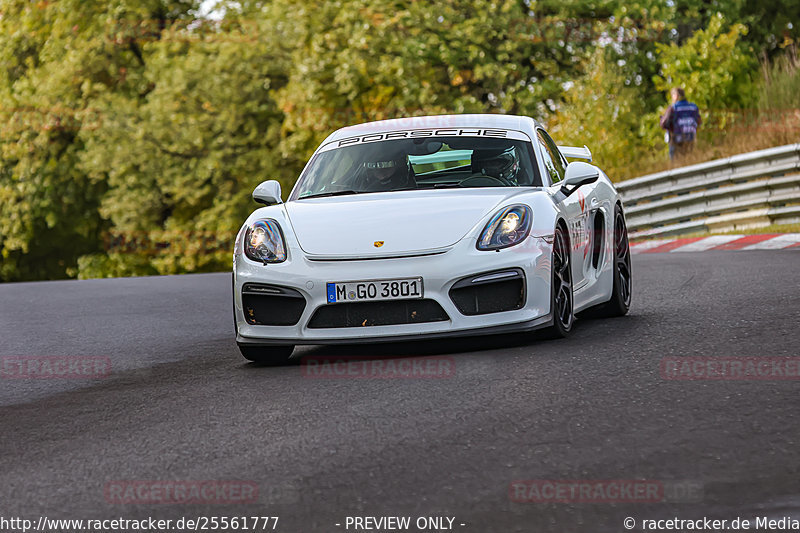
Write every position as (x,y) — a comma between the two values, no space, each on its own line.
(402,222)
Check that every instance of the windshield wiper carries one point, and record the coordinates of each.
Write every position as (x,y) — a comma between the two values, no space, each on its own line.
(324,194)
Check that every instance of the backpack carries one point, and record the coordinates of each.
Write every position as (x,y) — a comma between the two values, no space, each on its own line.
(684,122)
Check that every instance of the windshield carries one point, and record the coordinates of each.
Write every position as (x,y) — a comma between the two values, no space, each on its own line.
(424,163)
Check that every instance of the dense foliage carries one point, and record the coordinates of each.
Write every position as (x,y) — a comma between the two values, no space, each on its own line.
(133,131)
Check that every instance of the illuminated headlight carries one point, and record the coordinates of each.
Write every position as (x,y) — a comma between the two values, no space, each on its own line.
(508,227)
(263,242)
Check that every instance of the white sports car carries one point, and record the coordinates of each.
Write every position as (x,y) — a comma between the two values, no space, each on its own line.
(429,227)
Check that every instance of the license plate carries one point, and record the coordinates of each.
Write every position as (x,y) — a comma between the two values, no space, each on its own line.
(370,291)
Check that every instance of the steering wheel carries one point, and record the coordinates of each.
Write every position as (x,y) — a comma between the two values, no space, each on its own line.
(482,180)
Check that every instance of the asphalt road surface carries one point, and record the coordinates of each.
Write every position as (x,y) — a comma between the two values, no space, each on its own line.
(181,404)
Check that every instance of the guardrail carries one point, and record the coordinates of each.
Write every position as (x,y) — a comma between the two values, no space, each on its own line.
(741,192)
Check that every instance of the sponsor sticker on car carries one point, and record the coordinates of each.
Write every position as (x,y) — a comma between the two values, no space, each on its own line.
(374,290)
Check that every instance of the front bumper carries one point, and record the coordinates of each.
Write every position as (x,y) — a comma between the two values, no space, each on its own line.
(439,272)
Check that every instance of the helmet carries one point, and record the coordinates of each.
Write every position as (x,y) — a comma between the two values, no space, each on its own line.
(502,164)
(387,174)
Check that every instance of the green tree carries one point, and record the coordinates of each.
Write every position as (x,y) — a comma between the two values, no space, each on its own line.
(714,68)
(603,113)
(772,24)
(360,60)
(54,58)
(180,158)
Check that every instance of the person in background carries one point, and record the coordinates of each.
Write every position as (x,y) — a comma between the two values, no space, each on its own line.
(681,121)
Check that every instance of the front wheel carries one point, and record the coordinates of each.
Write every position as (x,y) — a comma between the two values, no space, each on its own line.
(267,355)
(561,301)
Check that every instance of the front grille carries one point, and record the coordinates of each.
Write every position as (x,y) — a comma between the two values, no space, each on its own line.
(383,313)
(490,292)
(271,305)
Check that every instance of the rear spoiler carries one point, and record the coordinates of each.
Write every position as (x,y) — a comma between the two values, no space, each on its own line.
(575,152)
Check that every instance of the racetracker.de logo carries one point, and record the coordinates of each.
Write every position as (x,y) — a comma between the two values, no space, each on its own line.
(586,491)
(54,367)
(332,367)
(182,492)
(730,368)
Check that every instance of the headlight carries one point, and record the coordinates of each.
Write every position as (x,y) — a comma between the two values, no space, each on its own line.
(508,227)
(263,242)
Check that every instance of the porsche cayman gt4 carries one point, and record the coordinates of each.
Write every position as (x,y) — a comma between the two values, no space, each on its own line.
(430,227)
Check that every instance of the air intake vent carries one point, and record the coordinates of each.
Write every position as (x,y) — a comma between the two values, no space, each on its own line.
(491,292)
(383,313)
(270,305)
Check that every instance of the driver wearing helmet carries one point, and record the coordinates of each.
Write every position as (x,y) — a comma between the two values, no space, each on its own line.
(387,174)
(502,164)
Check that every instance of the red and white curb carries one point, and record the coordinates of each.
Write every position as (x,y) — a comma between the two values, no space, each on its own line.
(772,241)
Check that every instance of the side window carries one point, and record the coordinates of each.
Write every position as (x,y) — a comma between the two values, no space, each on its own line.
(553,162)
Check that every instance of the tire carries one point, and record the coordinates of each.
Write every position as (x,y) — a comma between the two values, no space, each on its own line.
(620,300)
(561,298)
(267,355)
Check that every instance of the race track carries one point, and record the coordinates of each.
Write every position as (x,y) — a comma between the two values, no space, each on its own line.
(181,404)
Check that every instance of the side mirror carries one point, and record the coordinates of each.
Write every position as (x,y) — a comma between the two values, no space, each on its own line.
(578,173)
(268,193)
